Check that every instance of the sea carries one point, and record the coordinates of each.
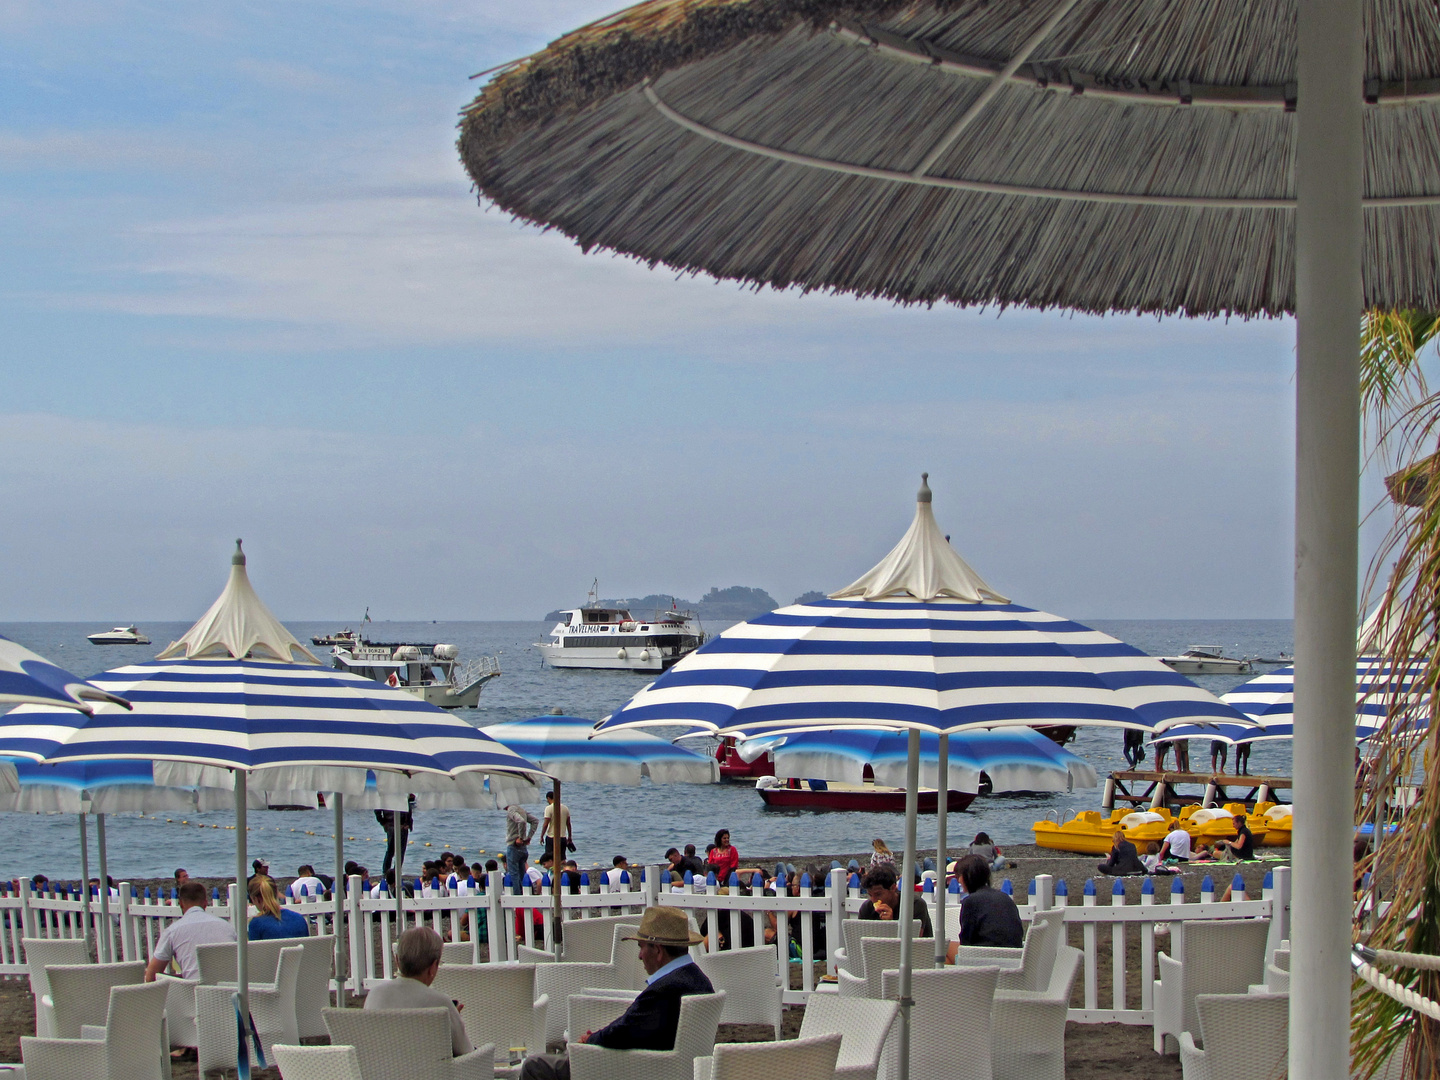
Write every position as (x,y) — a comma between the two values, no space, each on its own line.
(637,822)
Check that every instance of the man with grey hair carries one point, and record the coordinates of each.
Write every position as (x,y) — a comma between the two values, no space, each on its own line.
(417,955)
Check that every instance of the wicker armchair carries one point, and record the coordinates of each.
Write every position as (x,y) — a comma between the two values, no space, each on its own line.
(80,994)
(881,955)
(271,1004)
(130,1045)
(393,1043)
(500,1005)
(695,1037)
(810,1058)
(312,985)
(864,1024)
(942,1047)
(56,952)
(1221,956)
(558,981)
(751,984)
(217,960)
(849,957)
(1025,968)
(317,1062)
(1256,1028)
(1027,1037)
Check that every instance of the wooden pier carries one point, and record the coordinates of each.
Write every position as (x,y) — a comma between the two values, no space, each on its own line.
(1219,788)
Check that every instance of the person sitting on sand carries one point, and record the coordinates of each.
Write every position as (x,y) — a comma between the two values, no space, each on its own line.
(987,849)
(1242,848)
(723,857)
(181,876)
(1203,853)
(881,855)
(884,902)
(1176,847)
(1124,859)
(271,920)
(196,926)
(987,916)
(1151,860)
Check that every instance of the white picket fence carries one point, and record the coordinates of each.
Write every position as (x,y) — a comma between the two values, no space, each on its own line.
(371,926)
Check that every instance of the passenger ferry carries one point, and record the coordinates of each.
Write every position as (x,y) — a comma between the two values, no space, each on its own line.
(432,672)
(601,637)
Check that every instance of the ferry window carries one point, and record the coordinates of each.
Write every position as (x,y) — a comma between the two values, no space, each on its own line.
(567,618)
(644,628)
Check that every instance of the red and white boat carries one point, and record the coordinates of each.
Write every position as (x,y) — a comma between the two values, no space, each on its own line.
(835,795)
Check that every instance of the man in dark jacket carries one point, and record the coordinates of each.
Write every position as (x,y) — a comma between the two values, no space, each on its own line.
(651,1021)
(1124,859)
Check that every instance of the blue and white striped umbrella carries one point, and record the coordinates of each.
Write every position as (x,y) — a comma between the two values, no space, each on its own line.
(1269,700)
(1015,759)
(26,677)
(100,787)
(938,665)
(564,746)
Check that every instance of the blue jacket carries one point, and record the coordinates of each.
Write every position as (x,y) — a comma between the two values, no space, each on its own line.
(290,924)
(652,1018)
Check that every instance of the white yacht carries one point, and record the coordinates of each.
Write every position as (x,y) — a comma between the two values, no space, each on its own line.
(601,637)
(432,672)
(1206,660)
(120,635)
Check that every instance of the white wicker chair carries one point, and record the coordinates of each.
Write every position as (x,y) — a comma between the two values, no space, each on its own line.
(695,1037)
(592,940)
(1253,1047)
(558,981)
(130,1045)
(880,955)
(394,1043)
(864,1023)
(1028,967)
(217,960)
(592,1010)
(849,958)
(312,986)
(271,1004)
(501,1007)
(949,1022)
(751,984)
(1221,956)
(80,994)
(180,1009)
(1027,1037)
(317,1062)
(459,953)
(810,1058)
(55,952)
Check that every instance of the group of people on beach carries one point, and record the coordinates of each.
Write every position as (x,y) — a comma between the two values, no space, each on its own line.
(1177,850)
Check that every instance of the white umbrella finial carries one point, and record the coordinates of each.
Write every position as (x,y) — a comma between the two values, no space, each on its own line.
(923,495)
(238,559)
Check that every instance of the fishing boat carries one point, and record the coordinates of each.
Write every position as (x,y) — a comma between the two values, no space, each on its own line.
(120,635)
(1207,660)
(611,638)
(431,671)
(834,795)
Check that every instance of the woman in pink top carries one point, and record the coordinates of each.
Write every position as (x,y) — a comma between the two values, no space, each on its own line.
(724,856)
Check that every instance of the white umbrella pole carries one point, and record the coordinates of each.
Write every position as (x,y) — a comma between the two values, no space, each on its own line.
(1329,299)
(337,895)
(107,940)
(398,838)
(85,880)
(557,845)
(941,854)
(242,898)
(907,894)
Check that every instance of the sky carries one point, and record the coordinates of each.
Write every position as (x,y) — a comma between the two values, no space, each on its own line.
(247,291)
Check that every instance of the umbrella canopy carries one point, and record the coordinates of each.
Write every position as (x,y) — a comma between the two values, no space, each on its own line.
(894,650)
(564,747)
(26,677)
(1269,700)
(1099,156)
(1015,759)
(100,787)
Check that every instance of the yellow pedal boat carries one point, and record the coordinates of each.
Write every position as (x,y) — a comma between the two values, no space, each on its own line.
(1090,833)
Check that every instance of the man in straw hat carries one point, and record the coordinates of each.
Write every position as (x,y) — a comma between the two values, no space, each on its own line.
(652,1018)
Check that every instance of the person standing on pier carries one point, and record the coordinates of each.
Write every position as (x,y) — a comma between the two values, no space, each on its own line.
(1134,747)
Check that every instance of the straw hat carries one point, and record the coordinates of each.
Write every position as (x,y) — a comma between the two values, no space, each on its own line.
(665,926)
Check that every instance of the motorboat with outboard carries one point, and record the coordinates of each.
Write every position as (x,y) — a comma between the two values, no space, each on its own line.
(607,637)
(432,672)
(1207,660)
(836,795)
(120,635)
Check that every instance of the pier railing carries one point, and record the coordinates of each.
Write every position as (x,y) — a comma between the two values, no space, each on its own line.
(491,914)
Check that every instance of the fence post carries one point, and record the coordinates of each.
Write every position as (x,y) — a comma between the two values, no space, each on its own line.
(1092,960)
(127,931)
(1177,928)
(232,897)
(656,882)
(496,930)
(355,925)
(27,913)
(1279,911)
(1042,888)
(834,932)
(1237,888)
(1147,947)
(1117,949)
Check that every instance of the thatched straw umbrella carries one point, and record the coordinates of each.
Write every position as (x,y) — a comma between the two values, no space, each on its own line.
(1204,158)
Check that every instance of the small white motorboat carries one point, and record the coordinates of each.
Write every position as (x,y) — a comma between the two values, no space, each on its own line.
(120,635)
(1207,660)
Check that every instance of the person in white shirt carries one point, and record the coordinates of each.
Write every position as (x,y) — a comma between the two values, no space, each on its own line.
(418,954)
(1176,846)
(620,866)
(307,881)
(548,826)
(196,926)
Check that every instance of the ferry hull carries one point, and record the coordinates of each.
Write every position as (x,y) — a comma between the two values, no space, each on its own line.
(885,800)
(604,659)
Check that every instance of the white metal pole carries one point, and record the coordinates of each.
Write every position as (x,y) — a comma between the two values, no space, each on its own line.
(942,811)
(107,938)
(337,897)
(557,848)
(85,882)
(907,894)
(398,834)
(1328,295)
(242,897)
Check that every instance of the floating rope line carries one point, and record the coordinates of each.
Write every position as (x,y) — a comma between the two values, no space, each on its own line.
(1360,959)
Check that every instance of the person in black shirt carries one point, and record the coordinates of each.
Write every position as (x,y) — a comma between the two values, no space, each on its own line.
(884,902)
(1242,848)
(1124,859)
(987,916)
